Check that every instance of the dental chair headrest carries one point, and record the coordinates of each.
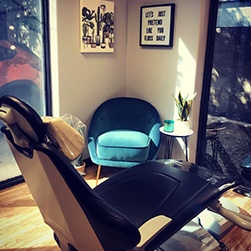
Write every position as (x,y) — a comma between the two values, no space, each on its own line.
(25,125)
(65,137)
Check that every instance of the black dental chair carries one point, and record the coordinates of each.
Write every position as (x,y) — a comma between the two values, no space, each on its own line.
(136,209)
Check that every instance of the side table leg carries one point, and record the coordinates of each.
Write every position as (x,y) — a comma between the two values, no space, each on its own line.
(166,147)
(169,147)
(185,139)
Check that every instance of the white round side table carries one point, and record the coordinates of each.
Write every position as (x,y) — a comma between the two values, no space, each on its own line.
(170,139)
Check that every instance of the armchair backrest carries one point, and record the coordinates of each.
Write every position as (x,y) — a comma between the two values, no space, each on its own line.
(78,216)
(127,113)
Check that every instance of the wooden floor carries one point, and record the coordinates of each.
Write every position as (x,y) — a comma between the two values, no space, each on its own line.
(22,227)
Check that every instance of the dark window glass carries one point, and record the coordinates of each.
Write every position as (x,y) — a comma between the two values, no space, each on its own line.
(227,138)
(22,61)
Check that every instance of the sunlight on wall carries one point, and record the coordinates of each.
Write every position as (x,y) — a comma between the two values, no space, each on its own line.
(54,58)
(186,71)
(183,146)
(186,74)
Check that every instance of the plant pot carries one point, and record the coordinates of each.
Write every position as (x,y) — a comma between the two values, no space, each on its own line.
(103,45)
(111,45)
(182,127)
(88,40)
(97,40)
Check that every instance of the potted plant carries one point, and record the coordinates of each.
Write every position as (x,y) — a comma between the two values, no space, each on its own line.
(87,16)
(108,28)
(184,105)
(98,19)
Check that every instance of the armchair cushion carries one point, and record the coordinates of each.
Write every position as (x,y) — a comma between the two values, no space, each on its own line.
(125,145)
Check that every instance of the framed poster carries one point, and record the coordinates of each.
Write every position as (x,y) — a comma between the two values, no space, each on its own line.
(96,26)
(157,25)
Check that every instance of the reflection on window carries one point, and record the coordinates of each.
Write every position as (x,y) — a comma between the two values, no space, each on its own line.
(22,51)
(21,63)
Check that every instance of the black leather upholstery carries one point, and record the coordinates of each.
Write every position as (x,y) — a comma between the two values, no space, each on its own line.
(169,187)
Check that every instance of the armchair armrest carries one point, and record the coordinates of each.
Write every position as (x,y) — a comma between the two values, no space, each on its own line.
(150,229)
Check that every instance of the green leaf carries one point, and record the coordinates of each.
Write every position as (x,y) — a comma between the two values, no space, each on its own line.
(184,105)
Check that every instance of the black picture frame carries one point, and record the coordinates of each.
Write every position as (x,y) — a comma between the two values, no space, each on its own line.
(157,25)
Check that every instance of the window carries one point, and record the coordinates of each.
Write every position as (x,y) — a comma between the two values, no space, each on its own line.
(23,61)
(225,120)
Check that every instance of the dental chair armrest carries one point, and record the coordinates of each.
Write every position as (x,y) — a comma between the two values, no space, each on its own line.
(240,220)
(150,229)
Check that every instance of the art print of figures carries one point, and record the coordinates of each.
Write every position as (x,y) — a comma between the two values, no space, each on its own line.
(96,26)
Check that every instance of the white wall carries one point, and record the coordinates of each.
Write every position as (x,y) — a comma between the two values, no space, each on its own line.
(155,74)
(86,80)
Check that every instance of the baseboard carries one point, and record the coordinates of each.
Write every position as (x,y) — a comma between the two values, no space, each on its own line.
(11,182)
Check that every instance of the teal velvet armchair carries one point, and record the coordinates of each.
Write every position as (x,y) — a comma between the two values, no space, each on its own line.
(124,132)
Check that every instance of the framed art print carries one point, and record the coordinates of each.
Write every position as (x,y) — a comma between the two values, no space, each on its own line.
(157,25)
(96,26)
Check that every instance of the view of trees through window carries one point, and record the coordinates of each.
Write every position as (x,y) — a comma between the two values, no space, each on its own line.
(228,133)
(22,61)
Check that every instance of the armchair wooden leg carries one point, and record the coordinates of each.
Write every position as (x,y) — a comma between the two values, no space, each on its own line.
(98,174)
